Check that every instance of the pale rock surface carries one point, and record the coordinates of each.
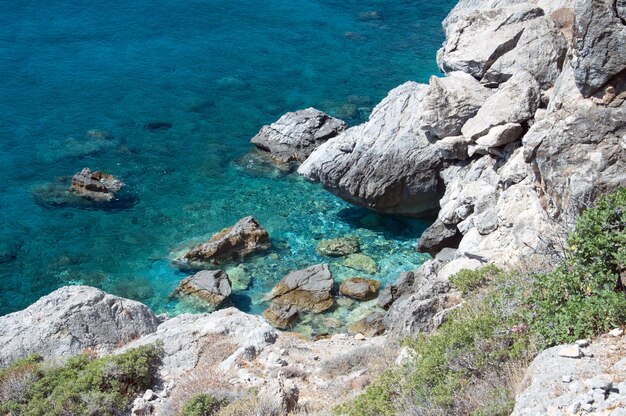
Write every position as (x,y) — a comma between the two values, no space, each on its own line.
(212,286)
(307,289)
(450,102)
(386,164)
(71,320)
(292,138)
(515,102)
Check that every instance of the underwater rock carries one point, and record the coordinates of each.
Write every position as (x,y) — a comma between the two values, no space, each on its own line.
(99,134)
(361,262)
(212,286)
(98,186)
(307,289)
(281,316)
(370,326)
(369,15)
(291,139)
(360,288)
(155,126)
(245,237)
(338,247)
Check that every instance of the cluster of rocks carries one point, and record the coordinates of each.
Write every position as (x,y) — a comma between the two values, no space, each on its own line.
(97,186)
(580,378)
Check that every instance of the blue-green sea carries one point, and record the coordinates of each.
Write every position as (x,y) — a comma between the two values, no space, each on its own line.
(216,71)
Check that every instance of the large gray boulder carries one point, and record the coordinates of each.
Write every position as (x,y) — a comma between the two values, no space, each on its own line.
(450,102)
(516,101)
(307,289)
(292,138)
(599,43)
(212,286)
(245,237)
(386,164)
(71,320)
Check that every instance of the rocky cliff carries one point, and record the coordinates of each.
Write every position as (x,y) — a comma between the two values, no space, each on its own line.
(525,127)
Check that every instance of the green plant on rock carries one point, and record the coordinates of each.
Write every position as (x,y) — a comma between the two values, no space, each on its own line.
(585,295)
(201,405)
(86,385)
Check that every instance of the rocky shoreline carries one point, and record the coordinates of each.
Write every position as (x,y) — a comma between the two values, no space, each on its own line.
(524,130)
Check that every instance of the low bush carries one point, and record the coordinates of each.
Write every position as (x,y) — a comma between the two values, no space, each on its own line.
(86,385)
(201,405)
(585,295)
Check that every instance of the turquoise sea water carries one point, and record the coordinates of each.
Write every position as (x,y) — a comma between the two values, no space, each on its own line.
(217,71)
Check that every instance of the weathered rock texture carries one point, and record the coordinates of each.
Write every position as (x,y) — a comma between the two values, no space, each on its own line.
(360,288)
(338,247)
(291,139)
(212,286)
(386,164)
(98,186)
(307,289)
(71,320)
(245,237)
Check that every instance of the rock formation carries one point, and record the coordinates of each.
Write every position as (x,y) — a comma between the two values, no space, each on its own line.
(212,286)
(245,237)
(307,289)
(292,138)
(338,247)
(98,186)
(360,288)
(71,320)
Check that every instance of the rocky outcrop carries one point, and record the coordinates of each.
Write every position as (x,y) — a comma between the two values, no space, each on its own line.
(281,316)
(292,138)
(339,247)
(370,326)
(307,289)
(71,320)
(212,286)
(245,237)
(98,186)
(360,288)
(589,383)
(599,43)
(386,164)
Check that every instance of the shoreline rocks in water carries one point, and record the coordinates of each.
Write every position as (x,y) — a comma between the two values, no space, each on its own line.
(361,262)
(245,237)
(281,316)
(98,186)
(339,247)
(360,288)
(291,139)
(308,289)
(212,286)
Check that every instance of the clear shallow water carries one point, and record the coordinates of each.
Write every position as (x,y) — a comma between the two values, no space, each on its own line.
(217,70)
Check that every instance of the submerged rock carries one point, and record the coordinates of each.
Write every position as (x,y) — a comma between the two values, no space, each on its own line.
(155,126)
(307,289)
(361,262)
(212,286)
(70,320)
(360,288)
(291,139)
(338,247)
(281,316)
(245,237)
(98,186)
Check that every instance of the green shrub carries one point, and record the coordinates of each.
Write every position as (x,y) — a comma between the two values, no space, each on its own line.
(469,280)
(89,386)
(584,296)
(201,405)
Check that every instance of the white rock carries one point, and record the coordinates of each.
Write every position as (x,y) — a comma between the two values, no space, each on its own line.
(617,332)
(570,351)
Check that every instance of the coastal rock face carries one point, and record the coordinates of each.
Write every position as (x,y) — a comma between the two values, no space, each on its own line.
(212,286)
(291,139)
(307,289)
(386,164)
(599,43)
(185,338)
(281,316)
(70,320)
(245,237)
(360,288)
(450,102)
(98,186)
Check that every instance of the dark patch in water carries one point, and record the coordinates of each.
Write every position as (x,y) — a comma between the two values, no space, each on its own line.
(155,126)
